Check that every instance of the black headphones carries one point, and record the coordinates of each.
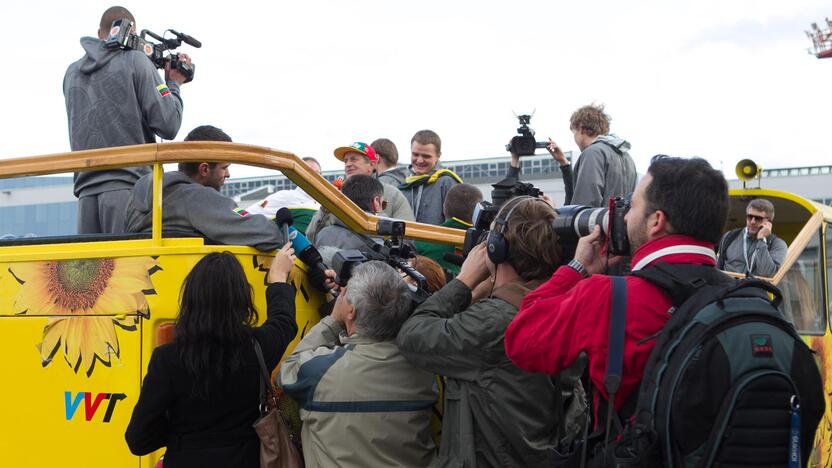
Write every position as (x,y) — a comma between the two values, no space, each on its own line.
(496,244)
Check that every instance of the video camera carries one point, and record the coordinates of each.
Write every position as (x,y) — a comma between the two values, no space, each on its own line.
(571,223)
(121,37)
(485,212)
(524,144)
(393,251)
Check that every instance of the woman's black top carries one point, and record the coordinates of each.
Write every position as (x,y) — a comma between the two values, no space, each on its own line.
(215,431)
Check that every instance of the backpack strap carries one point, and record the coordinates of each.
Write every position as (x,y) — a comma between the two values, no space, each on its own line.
(681,281)
(727,239)
(615,355)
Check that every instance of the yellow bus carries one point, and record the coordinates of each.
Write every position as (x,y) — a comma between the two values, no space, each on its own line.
(803,278)
(81,315)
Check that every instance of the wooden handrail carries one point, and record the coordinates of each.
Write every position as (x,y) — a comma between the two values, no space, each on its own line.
(797,246)
(288,163)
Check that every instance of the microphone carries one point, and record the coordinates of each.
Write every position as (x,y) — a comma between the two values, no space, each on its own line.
(308,254)
(284,219)
(187,39)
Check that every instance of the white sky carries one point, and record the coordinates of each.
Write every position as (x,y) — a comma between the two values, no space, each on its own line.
(723,80)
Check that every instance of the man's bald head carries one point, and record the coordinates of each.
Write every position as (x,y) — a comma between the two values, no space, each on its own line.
(112,14)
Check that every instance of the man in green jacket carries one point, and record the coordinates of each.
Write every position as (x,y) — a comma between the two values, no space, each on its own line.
(458,210)
(494,413)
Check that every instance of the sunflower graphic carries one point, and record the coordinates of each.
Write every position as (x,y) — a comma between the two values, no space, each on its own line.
(822,455)
(85,299)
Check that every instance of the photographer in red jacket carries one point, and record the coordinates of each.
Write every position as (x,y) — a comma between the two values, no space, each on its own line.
(677,215)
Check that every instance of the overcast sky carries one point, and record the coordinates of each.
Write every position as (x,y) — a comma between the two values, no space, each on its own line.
(723,80)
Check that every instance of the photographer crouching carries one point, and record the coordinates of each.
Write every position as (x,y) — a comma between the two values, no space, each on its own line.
(676,216)
(495,413)
(347,372)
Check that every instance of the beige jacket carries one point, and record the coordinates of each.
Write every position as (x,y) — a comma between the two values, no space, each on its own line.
(362,404)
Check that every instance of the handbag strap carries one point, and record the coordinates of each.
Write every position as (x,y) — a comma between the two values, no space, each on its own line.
(268,399)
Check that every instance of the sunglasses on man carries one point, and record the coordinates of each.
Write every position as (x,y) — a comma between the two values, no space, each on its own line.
(759,219)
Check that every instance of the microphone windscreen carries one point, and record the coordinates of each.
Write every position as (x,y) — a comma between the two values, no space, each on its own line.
(284,216)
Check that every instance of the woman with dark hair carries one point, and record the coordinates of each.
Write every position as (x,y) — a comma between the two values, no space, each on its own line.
(200,396)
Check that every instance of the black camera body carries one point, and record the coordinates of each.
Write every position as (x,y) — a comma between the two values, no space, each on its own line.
(393,251)
(571,223)
(485,212)
(524,144)
(121,37)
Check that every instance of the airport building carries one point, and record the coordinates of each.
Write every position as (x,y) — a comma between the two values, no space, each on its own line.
(541,170)
(45,205)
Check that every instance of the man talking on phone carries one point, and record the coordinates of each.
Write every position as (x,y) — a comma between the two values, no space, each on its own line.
(754,249)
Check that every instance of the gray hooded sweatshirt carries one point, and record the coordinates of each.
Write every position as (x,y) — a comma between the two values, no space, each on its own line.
(113,98)
(191,207)
(604,169)
(394,176)
(427,200)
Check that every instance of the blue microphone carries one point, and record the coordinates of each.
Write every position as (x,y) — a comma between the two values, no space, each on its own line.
(301,245)
(308,254)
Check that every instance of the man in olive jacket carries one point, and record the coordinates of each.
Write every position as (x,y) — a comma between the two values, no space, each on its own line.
(495,414)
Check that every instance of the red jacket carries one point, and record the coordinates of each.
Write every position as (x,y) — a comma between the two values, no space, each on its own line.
(569,314)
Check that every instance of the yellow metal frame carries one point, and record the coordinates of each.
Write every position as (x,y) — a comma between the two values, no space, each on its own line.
(157,154)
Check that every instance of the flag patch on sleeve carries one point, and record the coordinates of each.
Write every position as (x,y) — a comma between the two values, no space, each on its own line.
(241,211)
(163,90)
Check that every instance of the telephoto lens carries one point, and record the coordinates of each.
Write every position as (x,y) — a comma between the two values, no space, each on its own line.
(574,221)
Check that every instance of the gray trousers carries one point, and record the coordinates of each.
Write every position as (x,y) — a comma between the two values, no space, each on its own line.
(103,212)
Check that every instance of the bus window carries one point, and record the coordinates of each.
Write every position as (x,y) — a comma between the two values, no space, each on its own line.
(802,287)
(829,264)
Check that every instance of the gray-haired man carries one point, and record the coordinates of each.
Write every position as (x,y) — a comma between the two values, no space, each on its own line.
(362,404)
(754,249)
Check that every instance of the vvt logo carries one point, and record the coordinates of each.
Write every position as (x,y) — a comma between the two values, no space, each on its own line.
(91,404)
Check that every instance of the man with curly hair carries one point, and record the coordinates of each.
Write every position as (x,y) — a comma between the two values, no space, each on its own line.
(604,168)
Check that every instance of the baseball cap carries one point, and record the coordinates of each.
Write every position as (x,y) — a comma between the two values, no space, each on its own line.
(357,147)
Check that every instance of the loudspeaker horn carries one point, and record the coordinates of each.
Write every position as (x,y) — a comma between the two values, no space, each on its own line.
(748,170)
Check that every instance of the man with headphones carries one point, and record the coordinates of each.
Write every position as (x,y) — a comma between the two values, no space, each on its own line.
(495,414)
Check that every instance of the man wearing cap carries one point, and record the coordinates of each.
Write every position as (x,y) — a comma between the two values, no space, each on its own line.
(428,183)
(361,158)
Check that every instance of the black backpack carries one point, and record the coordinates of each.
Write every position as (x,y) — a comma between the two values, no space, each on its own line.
(729,382)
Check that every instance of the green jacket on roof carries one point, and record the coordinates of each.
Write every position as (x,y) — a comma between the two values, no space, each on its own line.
(436,251)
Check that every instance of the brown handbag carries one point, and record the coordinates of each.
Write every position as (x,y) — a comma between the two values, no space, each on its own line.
(277,449)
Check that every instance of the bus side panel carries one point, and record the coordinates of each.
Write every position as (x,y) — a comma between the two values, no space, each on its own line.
(54,416)
(822,455)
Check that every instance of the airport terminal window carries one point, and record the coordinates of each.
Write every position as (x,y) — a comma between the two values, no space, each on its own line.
(802,288)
